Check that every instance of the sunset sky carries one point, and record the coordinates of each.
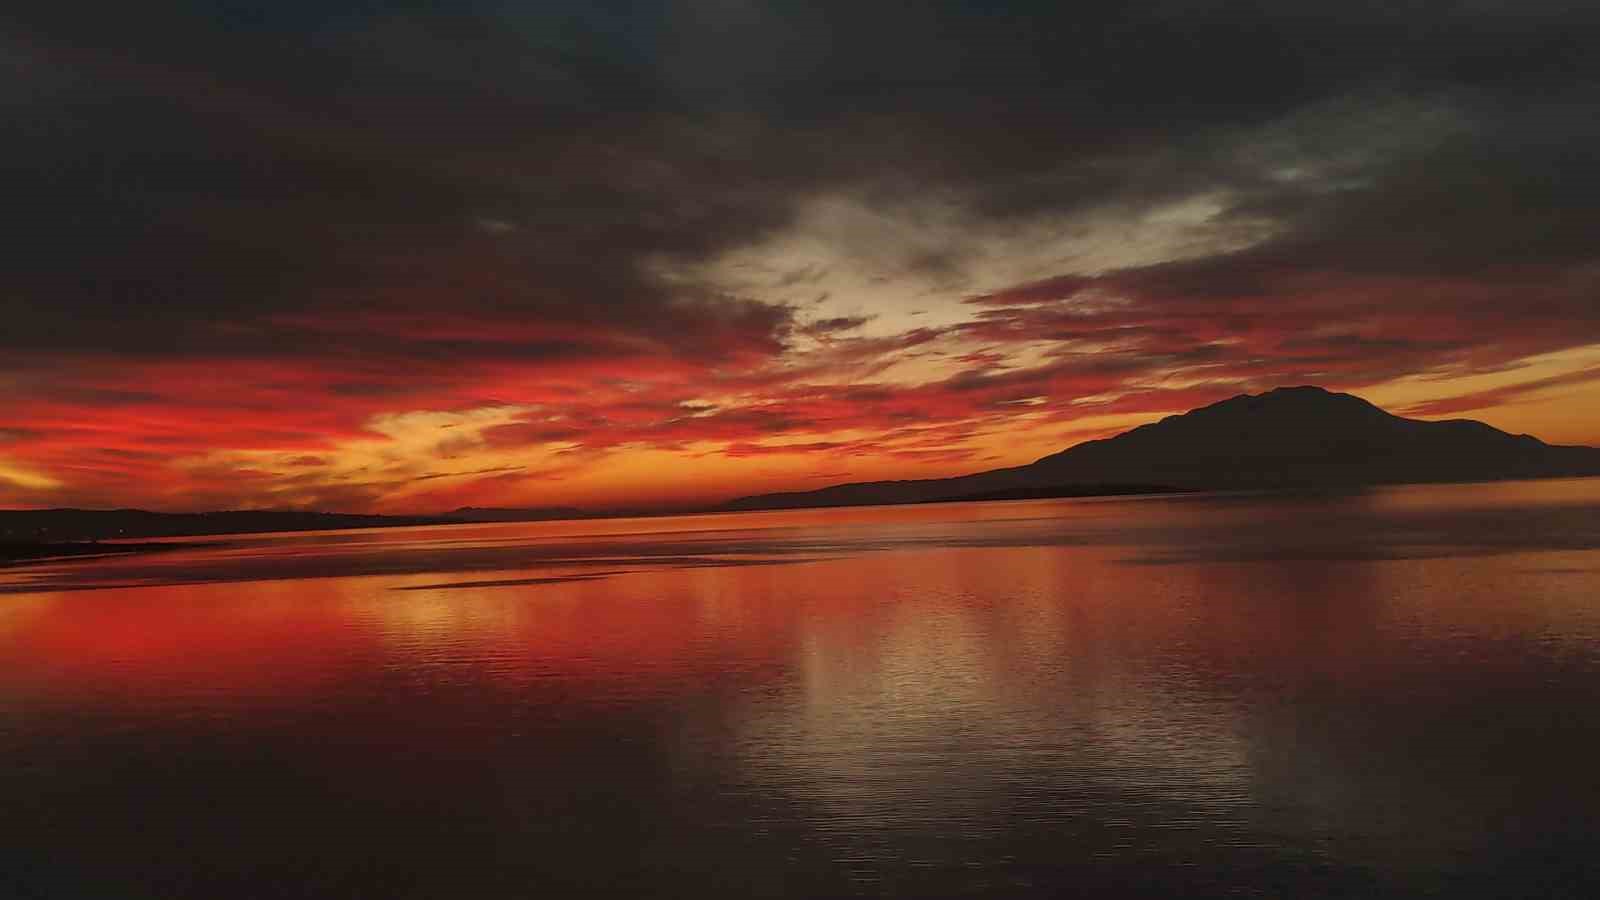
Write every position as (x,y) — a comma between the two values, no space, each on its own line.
(403,257)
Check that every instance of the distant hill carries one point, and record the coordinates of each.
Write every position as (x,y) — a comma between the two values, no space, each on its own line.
(29,533)
(516,514)
(19,526)
(33,532)
(1288,438)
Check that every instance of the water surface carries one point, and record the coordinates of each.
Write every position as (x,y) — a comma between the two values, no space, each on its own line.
(1381,693)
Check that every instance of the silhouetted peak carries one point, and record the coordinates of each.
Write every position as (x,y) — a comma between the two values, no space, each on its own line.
(1305,396)
(1301,390)
(1264,435)
(1300,405)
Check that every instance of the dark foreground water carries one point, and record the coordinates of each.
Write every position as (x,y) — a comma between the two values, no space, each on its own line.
(1383,694)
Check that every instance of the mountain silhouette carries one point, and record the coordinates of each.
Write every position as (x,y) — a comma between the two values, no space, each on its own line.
(1297,437)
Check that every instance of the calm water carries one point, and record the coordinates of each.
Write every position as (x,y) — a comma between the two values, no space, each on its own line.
(1390,693)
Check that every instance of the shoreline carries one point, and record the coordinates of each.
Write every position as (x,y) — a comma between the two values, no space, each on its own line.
(14,553)
(18,552)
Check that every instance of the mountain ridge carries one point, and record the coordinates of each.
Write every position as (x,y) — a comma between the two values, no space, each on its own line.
(1290,437)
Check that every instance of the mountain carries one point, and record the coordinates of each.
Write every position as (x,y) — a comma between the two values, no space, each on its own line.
(1287,438)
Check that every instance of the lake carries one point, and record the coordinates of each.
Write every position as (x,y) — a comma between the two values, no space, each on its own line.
(1382,693)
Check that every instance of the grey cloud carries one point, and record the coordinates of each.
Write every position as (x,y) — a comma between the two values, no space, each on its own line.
(190,177)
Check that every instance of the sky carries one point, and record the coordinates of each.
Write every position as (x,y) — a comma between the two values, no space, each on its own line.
(403,257)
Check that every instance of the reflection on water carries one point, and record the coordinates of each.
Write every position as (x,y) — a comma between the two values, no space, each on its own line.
(1388,693)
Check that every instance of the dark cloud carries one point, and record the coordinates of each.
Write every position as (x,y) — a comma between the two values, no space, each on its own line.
(835,325)
(195,166)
